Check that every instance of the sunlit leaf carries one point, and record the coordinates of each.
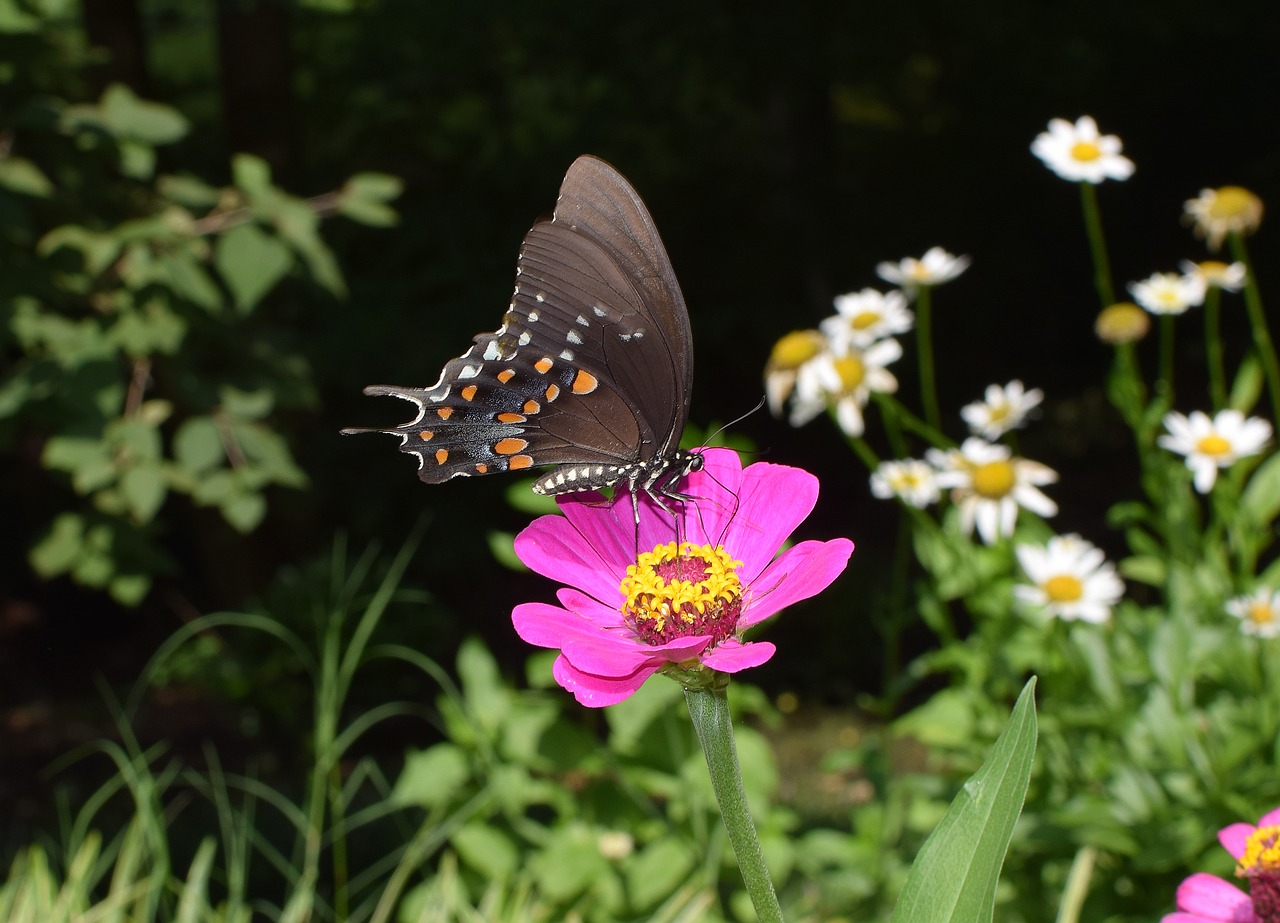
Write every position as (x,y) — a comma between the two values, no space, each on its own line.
(251,262)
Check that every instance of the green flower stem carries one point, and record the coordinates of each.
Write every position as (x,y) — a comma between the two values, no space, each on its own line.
(1164,381)
(924,346)
(1258,319)
(709,709)
(1213,347)
(1097,244)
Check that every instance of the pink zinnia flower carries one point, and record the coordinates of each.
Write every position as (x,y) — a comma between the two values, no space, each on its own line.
(1204,898)
(684,605)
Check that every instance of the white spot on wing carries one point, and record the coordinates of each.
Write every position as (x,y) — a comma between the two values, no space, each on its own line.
(469,371)
(539,298)
(524,339)
(573,338)
(566,355)
(491,351)
(582,320)
(599,311)
(533,317)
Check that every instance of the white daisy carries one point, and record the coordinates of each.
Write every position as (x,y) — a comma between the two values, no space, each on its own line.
(1001,409)
(1168,292)
(1230,277)
(1210,444)
(1218,212)
(1070,579)
(867,316)
(1259,614)
(845,376)
(934,268)
(988,486)
(911,480)
(1077,152)
(789,354)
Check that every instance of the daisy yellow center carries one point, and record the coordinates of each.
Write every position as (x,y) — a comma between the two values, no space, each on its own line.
(681,590)
(1213,444)
(920,272)
(1064,588)
(993,480)
(1233,202)
(795,349)
(1261,852)
(851,372)
(907,480)
(1261,613)
(1124,322)
(999,412)
(1085,151)
(864,320)
(1214,269)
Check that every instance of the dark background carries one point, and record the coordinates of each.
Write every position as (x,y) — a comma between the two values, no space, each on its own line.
(783,150)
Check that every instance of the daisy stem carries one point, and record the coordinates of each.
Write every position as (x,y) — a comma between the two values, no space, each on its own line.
(924,346)
(709,709)
(1097,244)
(1164,383)
(1213,347)
(1258,320)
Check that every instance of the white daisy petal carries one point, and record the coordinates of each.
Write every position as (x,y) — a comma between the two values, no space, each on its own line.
(1070,579)
(1210,444)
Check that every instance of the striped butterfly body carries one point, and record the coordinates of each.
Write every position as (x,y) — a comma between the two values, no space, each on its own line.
(591,370)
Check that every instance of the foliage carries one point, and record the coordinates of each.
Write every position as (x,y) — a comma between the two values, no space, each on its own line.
(148,356)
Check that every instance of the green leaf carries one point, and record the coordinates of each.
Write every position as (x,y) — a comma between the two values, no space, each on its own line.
(189,191)
(954,877)
(22,176)
(129,589)
(1260,501)
(129,116)
(432,777)
(482,686)
(657,871)
(244,510)
(58,550)
(251,262)
(197,446)
(144,489)
(1247,386)
(246,405)
(502,547)
(186,277)
(487,850)
(363,198)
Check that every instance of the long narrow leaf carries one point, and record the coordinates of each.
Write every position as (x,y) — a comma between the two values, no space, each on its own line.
(954,877)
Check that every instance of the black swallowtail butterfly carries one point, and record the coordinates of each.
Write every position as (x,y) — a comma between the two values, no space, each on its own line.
(591,370)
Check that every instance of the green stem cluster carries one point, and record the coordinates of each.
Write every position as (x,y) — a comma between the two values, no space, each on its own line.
(1258,320)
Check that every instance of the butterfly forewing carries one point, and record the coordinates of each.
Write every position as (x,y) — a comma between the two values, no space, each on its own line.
(592,365)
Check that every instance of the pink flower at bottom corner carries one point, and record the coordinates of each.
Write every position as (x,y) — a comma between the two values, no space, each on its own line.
(623,616)
(1204,898)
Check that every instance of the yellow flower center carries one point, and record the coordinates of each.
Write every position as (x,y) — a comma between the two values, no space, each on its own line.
(993,480)
(1123,322)
(1085,151)
(795,349)
(1234,202)
(851,371)
(864,320)
(920,272)
(1064,588)
(1261,852)
(1213,444)
(676,591)
(1261,613)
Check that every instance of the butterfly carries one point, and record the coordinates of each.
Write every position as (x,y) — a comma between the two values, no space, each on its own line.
(591,370)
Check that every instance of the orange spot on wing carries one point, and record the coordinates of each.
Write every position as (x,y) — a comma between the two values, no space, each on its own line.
(444,413)
(442,456)
(482,468)
(518,462)
(584,383)
(543,365)
(468,392)
(427,435)
(511,418)
(532,406)
(553,392)
(506,375)
(509,446)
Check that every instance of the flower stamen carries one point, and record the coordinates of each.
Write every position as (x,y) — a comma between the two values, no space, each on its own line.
(681,590)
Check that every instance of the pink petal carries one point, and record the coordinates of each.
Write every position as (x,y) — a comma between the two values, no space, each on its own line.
(1214,899)
(733,655)
(1270,819)
(772,501)
(1234,836)
(589,647)
(597,691)
(553,547)
(801,572)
